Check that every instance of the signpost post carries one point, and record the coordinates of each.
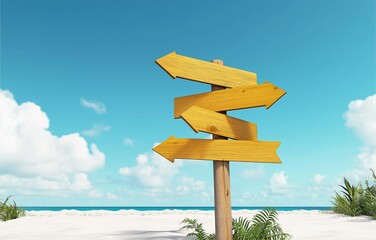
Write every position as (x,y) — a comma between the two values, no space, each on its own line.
(207,112)
(222,191)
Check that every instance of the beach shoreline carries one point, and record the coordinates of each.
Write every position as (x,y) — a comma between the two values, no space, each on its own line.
(166,224)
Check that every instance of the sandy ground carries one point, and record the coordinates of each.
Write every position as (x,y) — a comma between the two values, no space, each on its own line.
(128,225)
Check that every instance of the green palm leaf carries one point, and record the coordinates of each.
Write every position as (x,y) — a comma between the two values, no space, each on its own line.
(263,226)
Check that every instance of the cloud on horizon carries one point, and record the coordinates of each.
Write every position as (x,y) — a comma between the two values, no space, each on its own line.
(151,170)
(278,183)
(318,178)
(158,178)
(33,160)
(361,118)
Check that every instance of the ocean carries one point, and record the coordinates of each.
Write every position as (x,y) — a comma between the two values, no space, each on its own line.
(86,208)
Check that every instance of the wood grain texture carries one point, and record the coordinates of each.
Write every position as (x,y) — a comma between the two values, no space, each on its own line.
(206,72)
(204,120)
(222,188)
(219,150)
(222,200)
(260,95)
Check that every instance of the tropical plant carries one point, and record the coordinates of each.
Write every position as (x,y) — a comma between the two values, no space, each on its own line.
(348,203)
(367,203)
(241,228)
(351,191)
(199,232)
(356,200)
(9,211)
(263,226)
(372,189)
(368,198)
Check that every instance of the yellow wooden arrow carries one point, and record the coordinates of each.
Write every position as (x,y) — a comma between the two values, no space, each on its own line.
(204,120)
(201,71)
(219,150)
(265,94)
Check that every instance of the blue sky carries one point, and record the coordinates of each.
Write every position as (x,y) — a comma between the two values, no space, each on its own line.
(82,101)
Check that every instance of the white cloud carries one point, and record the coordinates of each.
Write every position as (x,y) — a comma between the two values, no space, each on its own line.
(279,183)
(361,117)
(190,185)
(128,142)
(81,182)
(152,170)
(125,171)
(318,178)
(320,193)
(366,161)
(96,130)
(111,196)
(98,107)
(142,159)
(34,159)
(158,179)
(253,173)
(45,186)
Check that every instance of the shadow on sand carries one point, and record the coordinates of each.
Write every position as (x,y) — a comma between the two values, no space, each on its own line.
(148,235)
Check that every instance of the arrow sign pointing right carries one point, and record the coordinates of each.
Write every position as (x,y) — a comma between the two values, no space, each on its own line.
(265,94)
(219,150)
(204,120)
(206,72)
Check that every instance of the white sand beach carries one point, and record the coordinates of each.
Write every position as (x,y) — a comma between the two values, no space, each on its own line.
(129,224)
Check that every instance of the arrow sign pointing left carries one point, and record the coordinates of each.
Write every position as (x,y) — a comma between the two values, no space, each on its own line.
(204,120)
(265,94)
(206,72)
(219,150)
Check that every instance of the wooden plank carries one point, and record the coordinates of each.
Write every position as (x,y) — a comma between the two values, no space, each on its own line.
(265,94)
(206,72)
(219,150)
(204,120)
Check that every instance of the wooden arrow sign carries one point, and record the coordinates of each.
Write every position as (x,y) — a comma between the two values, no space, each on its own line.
(206,72)
(219,150)
(204,120)
(265,94)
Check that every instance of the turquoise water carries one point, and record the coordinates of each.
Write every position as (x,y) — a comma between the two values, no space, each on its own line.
(165,208)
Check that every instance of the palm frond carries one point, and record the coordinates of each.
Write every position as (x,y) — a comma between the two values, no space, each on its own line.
(265,226)
(241,229)
(347,205)
(350,191)
(198,231)
(373,174)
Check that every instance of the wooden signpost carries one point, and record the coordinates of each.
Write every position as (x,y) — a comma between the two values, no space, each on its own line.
(232,89)
(218,150)
(196,70)
(231,99)
(204,120)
